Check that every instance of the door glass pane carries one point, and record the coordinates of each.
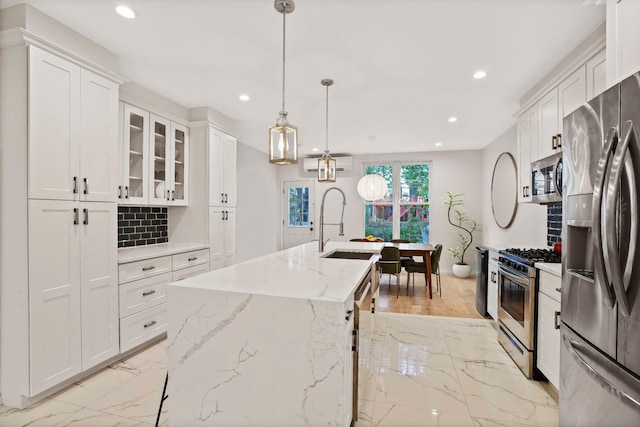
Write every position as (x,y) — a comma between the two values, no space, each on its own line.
(414,202)
(178,164)
(378,215)
(299,207)
(136,160)
(159,158)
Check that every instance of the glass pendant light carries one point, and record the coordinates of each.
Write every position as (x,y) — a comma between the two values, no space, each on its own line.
(283,136)
(326,164)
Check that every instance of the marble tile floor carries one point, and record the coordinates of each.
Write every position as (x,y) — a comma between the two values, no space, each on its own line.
(423,371)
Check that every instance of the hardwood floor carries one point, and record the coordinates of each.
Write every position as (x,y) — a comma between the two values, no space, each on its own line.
(458,296)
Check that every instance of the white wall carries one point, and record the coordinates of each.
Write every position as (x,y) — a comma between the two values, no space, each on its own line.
(454,171)
(258,202)
(529,227)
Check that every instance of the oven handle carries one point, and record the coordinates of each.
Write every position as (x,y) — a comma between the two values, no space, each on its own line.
(513,275)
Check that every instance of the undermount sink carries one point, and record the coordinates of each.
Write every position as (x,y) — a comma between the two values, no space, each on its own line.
(349,255)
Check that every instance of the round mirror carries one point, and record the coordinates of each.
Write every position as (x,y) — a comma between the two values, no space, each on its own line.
(504,190)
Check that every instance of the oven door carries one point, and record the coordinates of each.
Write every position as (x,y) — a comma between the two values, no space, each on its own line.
(517,301)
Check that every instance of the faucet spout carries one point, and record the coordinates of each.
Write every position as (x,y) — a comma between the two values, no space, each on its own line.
(321,241)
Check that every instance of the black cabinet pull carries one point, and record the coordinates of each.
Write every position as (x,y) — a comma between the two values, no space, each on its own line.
(348,316)
(86,186)
(151,267)
(150,324)
(126,189)
(192,259)
(119,191)
(75,185)
(147,293)
(554,144)
(559,289)
(559,140)
(86,216)
(76,218)
(556,322)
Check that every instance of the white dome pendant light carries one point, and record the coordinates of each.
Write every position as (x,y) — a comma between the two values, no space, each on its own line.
(283,136)
(326,164)
(372,187)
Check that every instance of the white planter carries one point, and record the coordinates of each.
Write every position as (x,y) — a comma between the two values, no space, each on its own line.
(462,270)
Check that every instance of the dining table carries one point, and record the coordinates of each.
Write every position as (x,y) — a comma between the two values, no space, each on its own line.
(418,249)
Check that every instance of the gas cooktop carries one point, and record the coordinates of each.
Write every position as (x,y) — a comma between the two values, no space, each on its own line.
(531,256)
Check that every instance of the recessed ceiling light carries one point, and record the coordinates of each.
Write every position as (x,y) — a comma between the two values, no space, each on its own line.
(438,144)
(314,149)
(479,74)
(244,97)
(453,119)
(125,11)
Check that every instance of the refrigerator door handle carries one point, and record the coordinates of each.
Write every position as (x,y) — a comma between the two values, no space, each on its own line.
(611,219)
(606,373)
(596,208)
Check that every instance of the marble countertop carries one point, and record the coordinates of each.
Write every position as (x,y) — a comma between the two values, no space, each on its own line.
(139,253)
(550,267)
(298,272)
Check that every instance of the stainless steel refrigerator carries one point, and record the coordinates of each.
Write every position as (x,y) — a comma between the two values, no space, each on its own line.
(600,312)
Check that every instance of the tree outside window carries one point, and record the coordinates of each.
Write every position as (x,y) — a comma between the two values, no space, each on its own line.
(404,212)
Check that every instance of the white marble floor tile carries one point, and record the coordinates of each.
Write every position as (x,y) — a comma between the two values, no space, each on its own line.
(365,413)
(386,415)
(156,353)
(89,417)
(44,414)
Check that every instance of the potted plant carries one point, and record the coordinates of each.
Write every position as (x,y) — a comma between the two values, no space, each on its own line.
(467,226)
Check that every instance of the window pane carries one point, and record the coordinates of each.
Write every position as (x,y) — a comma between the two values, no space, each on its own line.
(414,223)
(299,207)
(414,183)
(378,220)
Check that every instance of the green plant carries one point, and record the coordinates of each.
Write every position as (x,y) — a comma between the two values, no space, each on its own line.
(460,220)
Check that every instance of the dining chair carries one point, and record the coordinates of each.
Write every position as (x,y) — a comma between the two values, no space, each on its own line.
(389,263)
(420,267)
(403,259)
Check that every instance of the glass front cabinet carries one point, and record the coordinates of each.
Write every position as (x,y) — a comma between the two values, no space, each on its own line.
(154,166)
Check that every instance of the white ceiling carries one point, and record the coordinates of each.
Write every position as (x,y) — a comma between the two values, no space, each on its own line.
(401,67)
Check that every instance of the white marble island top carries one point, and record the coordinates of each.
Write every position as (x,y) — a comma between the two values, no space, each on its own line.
(298,272)
(267,341)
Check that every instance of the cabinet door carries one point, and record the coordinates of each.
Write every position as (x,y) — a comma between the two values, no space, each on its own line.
(549,124)
(159,165)
(179,174)
(623,36)
(216,165)
(98,138)
(596,74)
(216,237)
(135,159)
(99,278)
(492,287)
(548,338)
(229,237)
(525,131)
(54,293)
(573,91)
(54,126)
(229,168)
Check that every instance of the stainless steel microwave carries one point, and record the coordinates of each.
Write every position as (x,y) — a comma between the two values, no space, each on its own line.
(546,180)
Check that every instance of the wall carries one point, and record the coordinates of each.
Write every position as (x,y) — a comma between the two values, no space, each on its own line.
(454,171)
(258,204)
(529,227)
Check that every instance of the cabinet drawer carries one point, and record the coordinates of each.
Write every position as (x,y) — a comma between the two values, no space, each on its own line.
(190,272)
(549,283)
(143,326)
(142,294)
(189,259)
(141,269)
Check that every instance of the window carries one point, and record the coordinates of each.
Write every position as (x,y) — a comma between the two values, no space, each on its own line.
(299,207)
(404,212)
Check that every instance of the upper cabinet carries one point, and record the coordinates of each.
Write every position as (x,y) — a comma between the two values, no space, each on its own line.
(222,168)
(72,131)
(623,39)
(527,146)
(154,156)
(596,75)
(548,126)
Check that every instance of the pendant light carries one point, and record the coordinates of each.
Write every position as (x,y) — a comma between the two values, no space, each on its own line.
(283,136)
(326,164)
(372,187)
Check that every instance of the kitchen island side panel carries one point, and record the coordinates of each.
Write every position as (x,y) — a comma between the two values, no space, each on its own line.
(243,359)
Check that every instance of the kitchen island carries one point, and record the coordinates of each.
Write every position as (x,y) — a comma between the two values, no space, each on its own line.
(268,341)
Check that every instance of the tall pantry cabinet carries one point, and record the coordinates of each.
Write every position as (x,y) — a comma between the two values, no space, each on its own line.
(58,216)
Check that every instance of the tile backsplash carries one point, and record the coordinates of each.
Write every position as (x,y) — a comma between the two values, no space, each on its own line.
(141,225)
(554,224)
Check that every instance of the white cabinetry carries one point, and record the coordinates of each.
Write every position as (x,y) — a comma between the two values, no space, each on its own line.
(222,237)
(222,169)
(154,159)
(623,39)
(73,306)
(548,343)
(72,131)
(548,126)
(143,293)
(596,75)
(572,93)
(492,285)
(527,142)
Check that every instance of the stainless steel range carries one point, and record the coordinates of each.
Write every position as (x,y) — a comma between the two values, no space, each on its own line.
(517,293)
